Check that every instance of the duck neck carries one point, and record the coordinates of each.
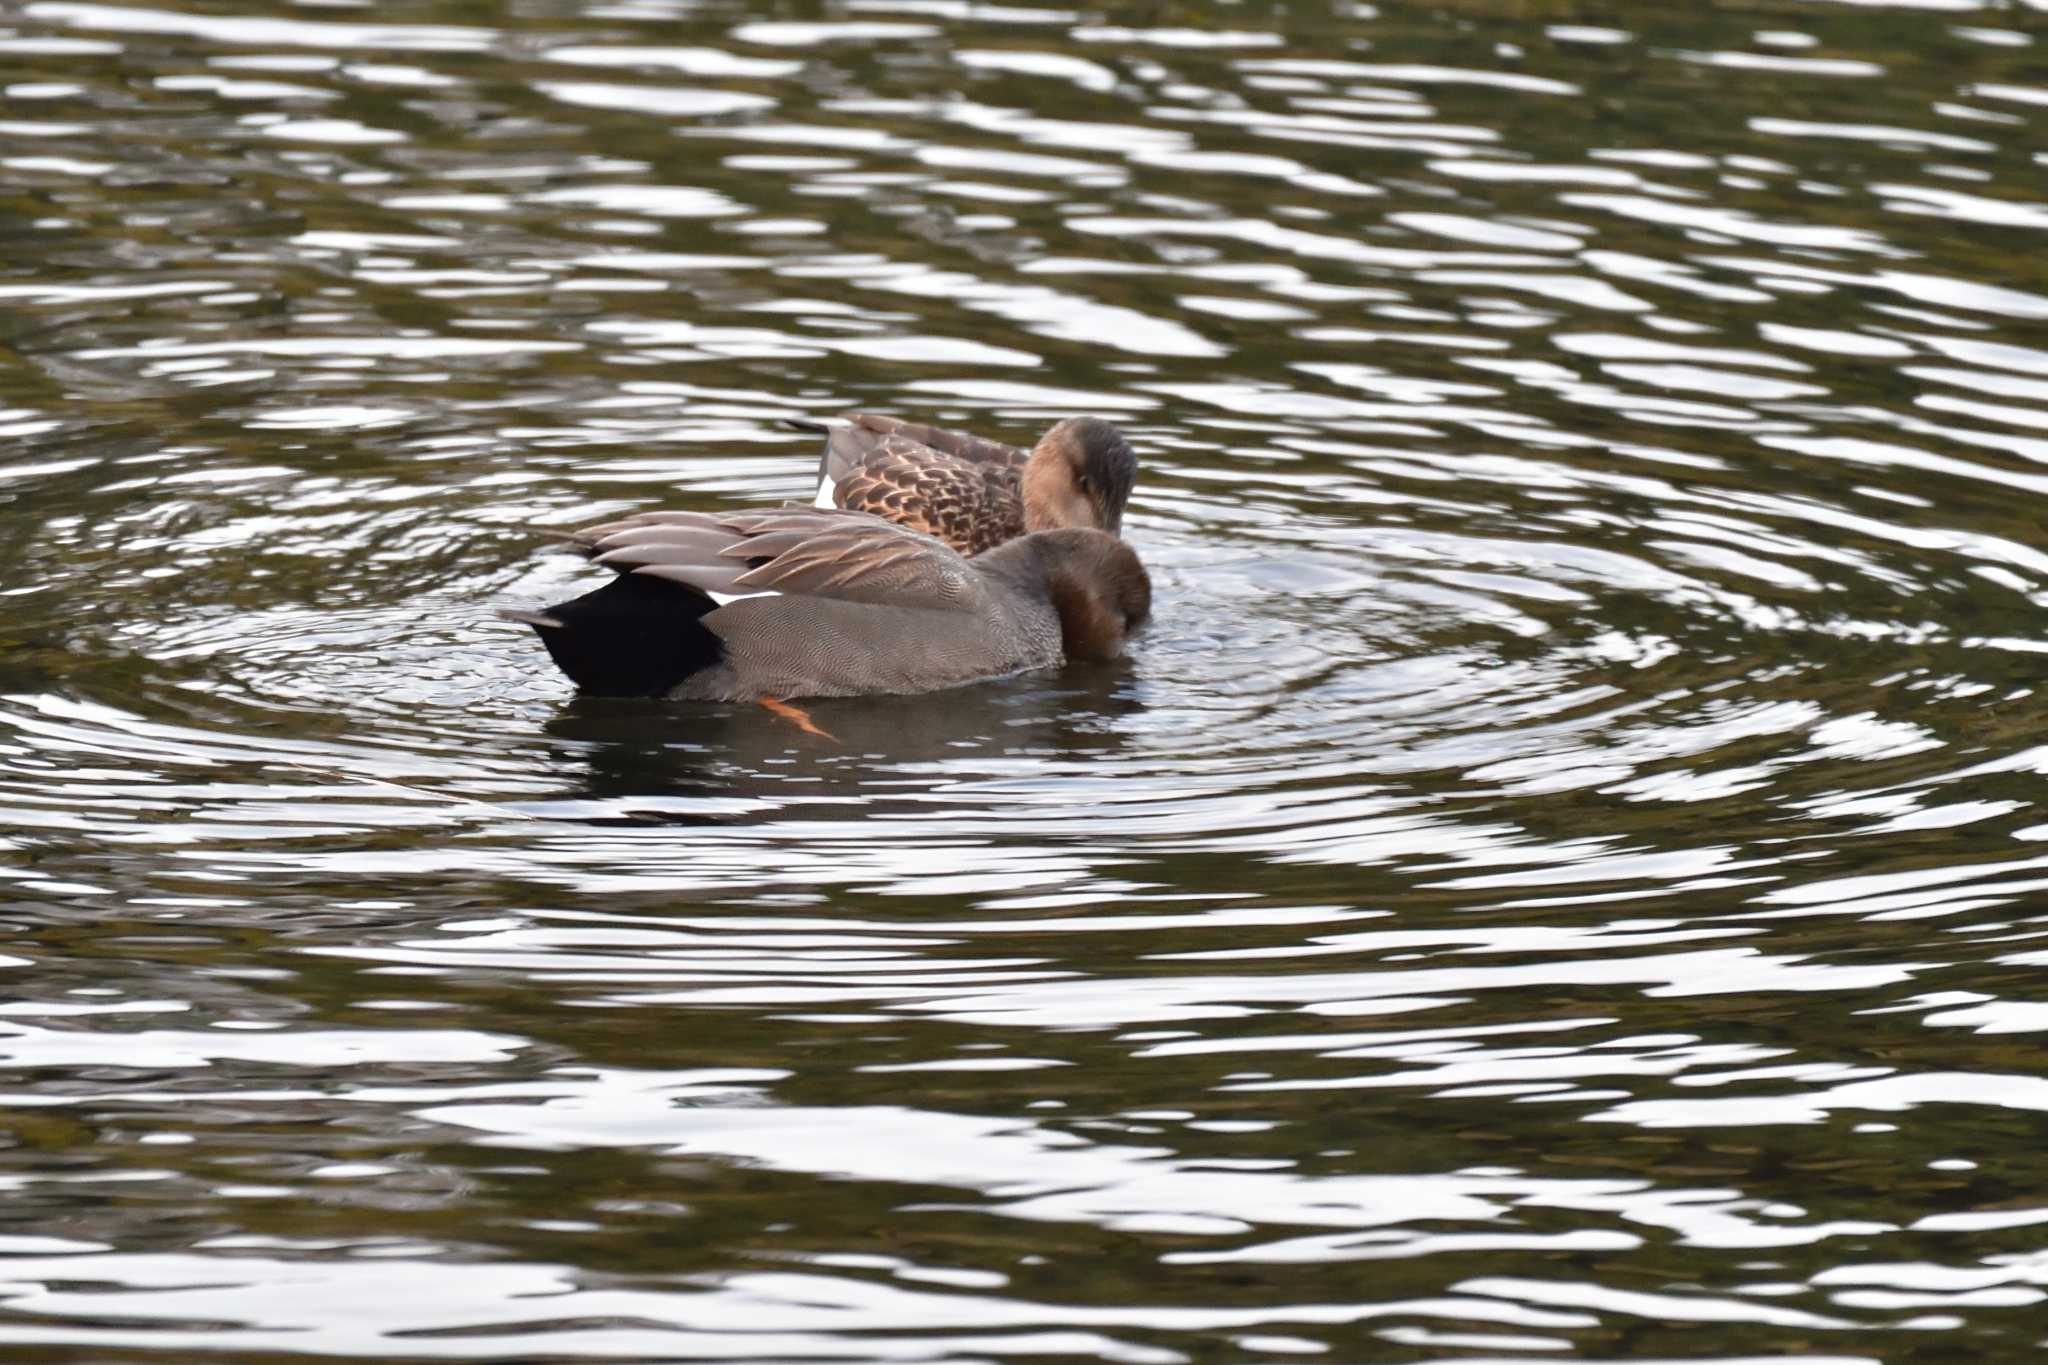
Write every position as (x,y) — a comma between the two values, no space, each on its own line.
(1022,563)
(1051,500)
(1057,580)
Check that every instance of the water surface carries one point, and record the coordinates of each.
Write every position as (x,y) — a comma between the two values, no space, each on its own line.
(1556,881)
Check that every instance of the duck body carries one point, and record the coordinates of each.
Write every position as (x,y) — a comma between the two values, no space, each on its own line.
(802,602)
(975,494)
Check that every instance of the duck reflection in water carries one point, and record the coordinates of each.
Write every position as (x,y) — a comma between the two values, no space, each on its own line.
(667,763)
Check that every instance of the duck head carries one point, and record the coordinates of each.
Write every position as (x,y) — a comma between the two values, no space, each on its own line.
(1099,588)
(1079,474)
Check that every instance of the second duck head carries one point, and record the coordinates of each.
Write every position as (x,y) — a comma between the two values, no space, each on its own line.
(1080,474)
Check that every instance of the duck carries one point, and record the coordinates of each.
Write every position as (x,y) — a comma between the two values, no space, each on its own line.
(970,492)
(769,605)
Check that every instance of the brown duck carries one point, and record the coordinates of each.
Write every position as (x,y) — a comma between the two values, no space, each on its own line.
(800,602)
(972,493)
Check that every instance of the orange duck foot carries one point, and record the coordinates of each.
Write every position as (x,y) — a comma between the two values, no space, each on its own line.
(798,715)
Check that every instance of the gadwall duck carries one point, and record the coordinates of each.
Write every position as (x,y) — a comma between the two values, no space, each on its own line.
(972,493)
(806,603)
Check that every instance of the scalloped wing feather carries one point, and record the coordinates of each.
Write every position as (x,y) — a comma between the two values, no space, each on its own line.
(849,443)
(971,506)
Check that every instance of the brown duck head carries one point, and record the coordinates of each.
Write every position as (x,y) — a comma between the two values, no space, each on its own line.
(1099,588)
(1079,474)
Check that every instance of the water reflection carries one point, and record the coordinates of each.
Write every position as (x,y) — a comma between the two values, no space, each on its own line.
(1568,839)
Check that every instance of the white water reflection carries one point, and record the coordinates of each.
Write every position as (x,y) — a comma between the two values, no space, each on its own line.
(455,1311)
(259,30)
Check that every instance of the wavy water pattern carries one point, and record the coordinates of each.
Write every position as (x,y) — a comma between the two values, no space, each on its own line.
(1553,881)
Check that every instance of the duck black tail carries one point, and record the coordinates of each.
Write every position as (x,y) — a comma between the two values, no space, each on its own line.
(637,636)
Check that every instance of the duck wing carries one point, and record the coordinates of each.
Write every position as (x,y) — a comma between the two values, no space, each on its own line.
(970,506)
(960,488)
(849,441)
(841,556)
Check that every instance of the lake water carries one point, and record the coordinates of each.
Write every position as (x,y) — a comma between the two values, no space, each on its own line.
(1560,879)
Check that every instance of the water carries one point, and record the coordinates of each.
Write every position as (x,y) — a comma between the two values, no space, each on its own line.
(1559,879)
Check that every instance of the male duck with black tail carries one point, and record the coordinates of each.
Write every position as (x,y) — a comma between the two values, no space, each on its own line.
(799,602)
(972,493)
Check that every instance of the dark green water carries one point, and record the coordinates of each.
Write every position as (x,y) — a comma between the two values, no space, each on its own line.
(1560,880)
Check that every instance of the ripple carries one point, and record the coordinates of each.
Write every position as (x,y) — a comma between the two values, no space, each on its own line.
(654,99)
(257,30)
(793,34)
(691,61)
(1569,831)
